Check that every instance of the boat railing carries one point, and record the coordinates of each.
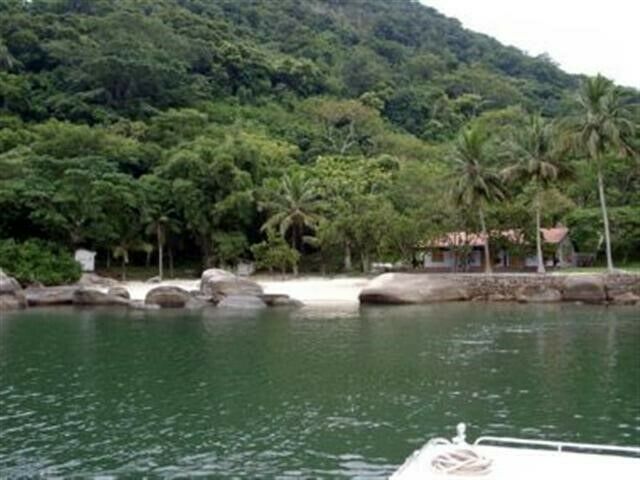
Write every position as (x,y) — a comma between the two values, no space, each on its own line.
(558,446)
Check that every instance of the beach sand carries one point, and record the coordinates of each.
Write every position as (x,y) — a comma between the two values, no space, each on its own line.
(318,291)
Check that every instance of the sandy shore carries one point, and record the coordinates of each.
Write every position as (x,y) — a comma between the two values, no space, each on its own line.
(309,290)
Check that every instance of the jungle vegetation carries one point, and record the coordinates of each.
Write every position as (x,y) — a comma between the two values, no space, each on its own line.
(316,134)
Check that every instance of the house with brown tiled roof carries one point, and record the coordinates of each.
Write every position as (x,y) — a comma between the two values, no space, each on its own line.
(464,251)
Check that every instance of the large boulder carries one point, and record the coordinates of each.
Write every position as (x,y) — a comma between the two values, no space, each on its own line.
(280,300)
(92,297)
(407,288)
(167,297)
(538,294)
(95,280)
(49,296)
(11,294)
(220,283)
(584,288)
(8,285)
(242,302)
(618,285)
(141,305)
(627,298)
(121,292)
(12,302)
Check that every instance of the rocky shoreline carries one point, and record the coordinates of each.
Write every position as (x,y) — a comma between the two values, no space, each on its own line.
(218,288)
(409,288)
(222,289)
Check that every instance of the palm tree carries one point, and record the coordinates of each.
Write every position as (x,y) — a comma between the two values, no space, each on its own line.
(603,125)
(537,158)
(476,184)
(294,205)
(158,226)
(159,214)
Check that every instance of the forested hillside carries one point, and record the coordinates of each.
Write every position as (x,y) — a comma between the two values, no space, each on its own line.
(325,133)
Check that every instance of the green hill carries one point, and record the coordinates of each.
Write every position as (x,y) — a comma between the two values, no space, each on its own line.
(94,60)
(196,119)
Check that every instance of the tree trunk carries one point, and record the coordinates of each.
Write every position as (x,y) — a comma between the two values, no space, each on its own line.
(541,268)
(348,265)
(487,253)
(124,269)
(206,251)
(108,263)
(160,251)
(364,258)
(605,219)
(294,236)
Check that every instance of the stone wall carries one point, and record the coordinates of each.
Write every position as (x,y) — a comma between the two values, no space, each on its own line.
(398,288)
(482,285)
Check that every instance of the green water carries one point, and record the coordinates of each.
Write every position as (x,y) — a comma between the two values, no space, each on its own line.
(313,393)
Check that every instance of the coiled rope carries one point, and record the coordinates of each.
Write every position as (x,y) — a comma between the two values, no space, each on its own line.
(459,460)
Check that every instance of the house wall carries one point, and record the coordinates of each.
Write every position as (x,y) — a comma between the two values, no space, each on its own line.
(566,253)
(443,260)
(514,263)
(438,259)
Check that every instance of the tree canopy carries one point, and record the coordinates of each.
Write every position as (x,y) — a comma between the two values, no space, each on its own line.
(183,127)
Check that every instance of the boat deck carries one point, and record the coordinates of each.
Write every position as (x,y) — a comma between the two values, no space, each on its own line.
(527,464)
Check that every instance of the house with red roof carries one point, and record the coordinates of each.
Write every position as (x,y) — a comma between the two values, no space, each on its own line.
(510,251)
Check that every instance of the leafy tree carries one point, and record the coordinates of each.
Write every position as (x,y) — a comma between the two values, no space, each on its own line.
(130,59)
(36,261)
(274,253)
(348,126)
(349,186)
(57,191)
(211,192)
(124,216)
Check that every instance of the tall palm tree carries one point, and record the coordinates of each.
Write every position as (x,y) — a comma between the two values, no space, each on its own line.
(603,125)
(294,205)
(476,184)
(537,160)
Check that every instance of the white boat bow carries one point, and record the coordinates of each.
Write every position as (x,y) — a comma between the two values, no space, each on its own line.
(503,458)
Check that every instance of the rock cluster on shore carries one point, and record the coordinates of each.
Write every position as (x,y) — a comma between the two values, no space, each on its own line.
(232,291)
(218,288)
(406,288)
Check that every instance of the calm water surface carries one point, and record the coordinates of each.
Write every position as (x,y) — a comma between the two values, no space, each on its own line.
(312,393)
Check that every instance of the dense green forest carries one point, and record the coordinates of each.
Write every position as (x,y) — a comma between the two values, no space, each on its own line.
(324,134)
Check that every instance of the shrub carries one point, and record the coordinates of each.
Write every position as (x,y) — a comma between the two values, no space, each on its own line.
(274,253)
(38,261)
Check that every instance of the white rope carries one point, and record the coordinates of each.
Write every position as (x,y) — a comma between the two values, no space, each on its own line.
(459,460)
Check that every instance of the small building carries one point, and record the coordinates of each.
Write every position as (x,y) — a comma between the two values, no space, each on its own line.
(464,251)
(556,239)
(86,259)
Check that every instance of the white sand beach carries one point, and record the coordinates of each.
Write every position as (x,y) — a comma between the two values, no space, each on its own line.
(312,291)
